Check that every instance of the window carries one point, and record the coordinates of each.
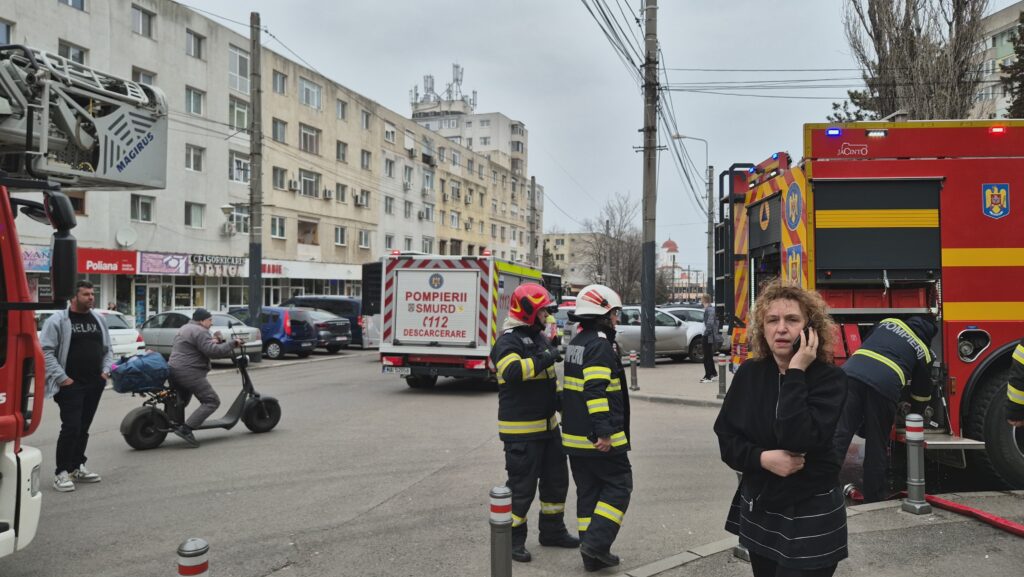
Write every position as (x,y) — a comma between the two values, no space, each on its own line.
(407,244)
(494,206)
(364,238)
(469,166)
(469,124)
(502,233)
(309,93)
(278,130)
(143,76)
(389,167)
(469,145)
(365,159)
(407,175)
(309,139)
(308,232)
(518,146)
(408,209)
(195,45)
(142,208)
(279,178)
(340,192)
(238,167)
(389,241)
(428,212)
(428,180)
(340,238)
(194,214)
(341,151)
(559,242)
(494,177)
(194,158)
(389,205)
(238,69)
(280,82)
(485,141)
(142,22)
(469,197)
(194,101)
(77,4)
(309,184)
(71,52)
(240,218)
(456,158)
(341,109)
(364,198)
(427,245)
(365,119)
(454,216)
(485,123)
(389,133)
(238,114)
(5,32)
(441,153)
(494,230)
(277,227)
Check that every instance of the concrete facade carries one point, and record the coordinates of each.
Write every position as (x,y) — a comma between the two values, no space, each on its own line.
(992,100)
(569,252)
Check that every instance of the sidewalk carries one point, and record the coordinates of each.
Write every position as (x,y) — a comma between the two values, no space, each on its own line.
(671,382)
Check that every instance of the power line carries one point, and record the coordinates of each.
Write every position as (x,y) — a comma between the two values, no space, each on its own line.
(208,13)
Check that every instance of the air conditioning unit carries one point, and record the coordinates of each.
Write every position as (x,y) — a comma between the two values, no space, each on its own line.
(328,194)
(421,215)
(406,186)
(293,185)
(469,226)
(469,200)
(426,192)
(411,152)
(227,229)
(444,197)
(359,201)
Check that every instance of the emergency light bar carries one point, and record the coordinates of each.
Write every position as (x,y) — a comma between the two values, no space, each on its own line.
(997,130)
(833,132)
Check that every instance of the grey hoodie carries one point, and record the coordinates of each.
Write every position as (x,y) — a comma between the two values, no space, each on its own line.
(55,339)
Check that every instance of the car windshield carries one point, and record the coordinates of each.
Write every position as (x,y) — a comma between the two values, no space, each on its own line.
(321,316)
(115,322)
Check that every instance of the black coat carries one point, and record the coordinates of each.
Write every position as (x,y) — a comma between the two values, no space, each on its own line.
(595,396)
(798,412)
(527,385)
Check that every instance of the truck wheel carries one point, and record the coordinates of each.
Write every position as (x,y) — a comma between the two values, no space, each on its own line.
(1003,458)
(421,381)
(274,350)
(145,428)
(697,350)
(262,416)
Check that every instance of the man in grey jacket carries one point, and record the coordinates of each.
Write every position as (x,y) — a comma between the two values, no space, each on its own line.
(76,348)
(712,338)
(193,348)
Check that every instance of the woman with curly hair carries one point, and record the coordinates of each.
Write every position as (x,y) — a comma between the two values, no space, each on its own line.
(776,428)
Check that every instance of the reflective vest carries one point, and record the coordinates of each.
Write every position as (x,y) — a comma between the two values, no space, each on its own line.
(527,386)
(595,398)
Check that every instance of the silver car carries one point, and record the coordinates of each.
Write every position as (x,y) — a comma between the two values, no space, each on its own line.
(159,331)
(696,315)
(675,338)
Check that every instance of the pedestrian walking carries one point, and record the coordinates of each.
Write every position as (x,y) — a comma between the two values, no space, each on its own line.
(1015,388)
(78,355)
(711,341)
(595,425)
(191,352)
(776,427)
(895,355)
(528,394)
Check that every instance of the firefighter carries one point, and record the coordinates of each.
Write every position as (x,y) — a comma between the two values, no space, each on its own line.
(894,355)
(595,425)
(527,400)
(1015,388)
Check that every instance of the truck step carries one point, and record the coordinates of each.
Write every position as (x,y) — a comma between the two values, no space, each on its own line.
(939,440)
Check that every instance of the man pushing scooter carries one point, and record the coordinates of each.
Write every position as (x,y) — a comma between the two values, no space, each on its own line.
(193,348)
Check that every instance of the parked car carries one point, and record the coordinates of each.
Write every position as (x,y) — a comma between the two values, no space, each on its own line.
(285,330)
(159,331)
(125,340)
(675,338)
(349,307)
(696,314)
(566,327)
(332,332)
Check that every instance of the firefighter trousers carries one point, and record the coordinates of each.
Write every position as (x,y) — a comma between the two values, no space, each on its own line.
(603,486)
(529,463)
(868,410)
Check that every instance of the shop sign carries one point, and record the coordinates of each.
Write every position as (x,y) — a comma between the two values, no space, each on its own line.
(104,261)
(162,263)
(273,269)
(36,258)
(218,266)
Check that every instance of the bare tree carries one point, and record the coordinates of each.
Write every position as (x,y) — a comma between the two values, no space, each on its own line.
(919,56)
(611,251)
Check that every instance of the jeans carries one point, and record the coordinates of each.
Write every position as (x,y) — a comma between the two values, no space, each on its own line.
(78,403)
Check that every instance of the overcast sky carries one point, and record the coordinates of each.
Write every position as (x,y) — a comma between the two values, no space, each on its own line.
(547,63)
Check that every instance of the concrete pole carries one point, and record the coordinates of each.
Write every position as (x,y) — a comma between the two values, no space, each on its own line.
(255,173)
(710,276)
(650,200)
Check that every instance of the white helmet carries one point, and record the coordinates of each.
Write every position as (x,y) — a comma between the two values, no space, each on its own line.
(596,300)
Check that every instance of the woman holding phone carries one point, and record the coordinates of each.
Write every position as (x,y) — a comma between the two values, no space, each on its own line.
(776,427)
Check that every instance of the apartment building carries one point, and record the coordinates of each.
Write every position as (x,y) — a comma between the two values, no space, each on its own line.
(992,99)
(345,179)
(569,251)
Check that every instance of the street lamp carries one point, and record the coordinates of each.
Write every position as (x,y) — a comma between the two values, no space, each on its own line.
(709,278)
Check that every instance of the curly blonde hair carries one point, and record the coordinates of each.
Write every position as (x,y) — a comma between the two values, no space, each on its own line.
(813,308)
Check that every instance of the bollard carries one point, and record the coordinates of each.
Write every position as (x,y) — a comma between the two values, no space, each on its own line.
(192,558)
(635,384)
(915,502)
(501,532)
(721,360)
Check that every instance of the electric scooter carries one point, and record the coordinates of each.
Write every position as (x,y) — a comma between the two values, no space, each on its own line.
(147,426)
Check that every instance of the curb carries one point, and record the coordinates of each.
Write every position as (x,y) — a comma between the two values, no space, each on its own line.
(672,399)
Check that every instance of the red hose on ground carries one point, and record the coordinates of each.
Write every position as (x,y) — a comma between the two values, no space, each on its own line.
(983,516)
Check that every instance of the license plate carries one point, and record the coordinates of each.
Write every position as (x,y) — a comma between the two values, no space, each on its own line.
(306,345)
(339,338)
(400,371)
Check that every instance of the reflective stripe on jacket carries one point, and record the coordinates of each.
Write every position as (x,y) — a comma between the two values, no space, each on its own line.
(595,400)
(892,357)
(527,385)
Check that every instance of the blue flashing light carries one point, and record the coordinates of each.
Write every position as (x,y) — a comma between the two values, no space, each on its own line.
(752,170)
(775,156)
(833,132)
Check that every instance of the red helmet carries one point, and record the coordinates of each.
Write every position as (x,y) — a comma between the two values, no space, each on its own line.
(527,300)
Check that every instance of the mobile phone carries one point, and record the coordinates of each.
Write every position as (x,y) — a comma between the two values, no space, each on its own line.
(796,344)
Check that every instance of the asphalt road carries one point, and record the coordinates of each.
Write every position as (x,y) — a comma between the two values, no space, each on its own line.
(363,476)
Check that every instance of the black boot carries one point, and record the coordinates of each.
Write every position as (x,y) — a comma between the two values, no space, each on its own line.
(564,540)
(594,560)
(520,554)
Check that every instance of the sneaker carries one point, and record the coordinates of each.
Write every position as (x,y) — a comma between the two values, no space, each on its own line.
(83,475)
(62,482)
(707,380)
(187,436)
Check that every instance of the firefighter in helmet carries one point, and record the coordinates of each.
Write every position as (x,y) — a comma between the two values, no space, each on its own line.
(1015,388)
(595,425)
(527,401)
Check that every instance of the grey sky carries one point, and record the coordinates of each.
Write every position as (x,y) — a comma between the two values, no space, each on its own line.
(546,63)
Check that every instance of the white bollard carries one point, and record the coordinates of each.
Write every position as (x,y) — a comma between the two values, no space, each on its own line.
(192,558)
(501,532)
(915,502)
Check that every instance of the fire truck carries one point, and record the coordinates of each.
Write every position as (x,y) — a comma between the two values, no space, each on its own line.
(892,220)
(62,125)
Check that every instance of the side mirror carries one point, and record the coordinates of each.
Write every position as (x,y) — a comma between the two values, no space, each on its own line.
(679,323)
(63,266)
(231,324)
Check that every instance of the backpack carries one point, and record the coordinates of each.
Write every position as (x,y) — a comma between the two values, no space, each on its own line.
(140,373)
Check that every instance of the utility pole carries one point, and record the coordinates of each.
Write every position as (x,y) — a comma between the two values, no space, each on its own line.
(709,278)
(650,202)
(533,223)
(255,173)
(607,253)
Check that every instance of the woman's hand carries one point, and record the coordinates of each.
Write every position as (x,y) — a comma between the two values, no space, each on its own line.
(782,463)
(808,351)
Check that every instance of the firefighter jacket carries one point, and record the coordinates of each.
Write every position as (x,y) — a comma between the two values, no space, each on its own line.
(1015,388)
(894,354)
(595,398)
(527,385)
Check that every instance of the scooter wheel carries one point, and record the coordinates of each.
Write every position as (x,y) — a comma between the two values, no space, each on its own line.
(262,416)
(145,428)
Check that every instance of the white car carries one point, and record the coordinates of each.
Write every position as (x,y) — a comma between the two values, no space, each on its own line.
(696,315)
(124,339)
(159,331)
(675,338)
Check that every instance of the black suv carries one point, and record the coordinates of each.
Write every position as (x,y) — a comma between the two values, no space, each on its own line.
(349,307)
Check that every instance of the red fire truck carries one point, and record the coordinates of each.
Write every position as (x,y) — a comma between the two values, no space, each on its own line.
(890,220)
